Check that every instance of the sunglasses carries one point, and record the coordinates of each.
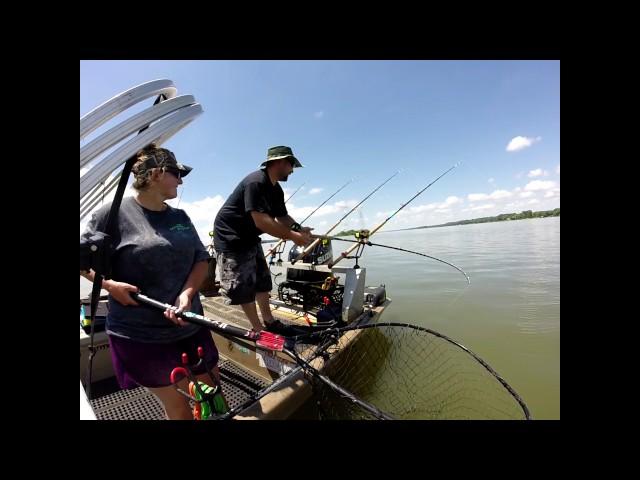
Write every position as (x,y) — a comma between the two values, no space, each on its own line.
(173,171)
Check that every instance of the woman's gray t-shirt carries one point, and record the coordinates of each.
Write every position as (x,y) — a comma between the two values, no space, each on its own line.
(155,251)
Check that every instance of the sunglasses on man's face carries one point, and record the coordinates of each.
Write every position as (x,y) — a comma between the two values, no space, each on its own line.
(173,171)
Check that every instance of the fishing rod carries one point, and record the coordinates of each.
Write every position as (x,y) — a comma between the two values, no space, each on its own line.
(421,339)
(274,249)
(269,341)
(298,189)
(316,241)
(363,236)
(263,339)
(345,254)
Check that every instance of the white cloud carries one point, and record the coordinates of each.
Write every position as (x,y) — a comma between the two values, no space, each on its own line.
(289,191)
(484,207)
(345,204)
(552,193)
(453,200)
(436,212)
(495,195)
(202,213)
(491,180)
(301,212)
(558,169)
(313,191)
(538,172)
(199,210)
(518,143)
(499,194)
(418,208)
(455,208)
(476,197)
(319,114)
(540,185)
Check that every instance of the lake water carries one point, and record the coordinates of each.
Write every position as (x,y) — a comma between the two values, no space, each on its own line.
(509,315)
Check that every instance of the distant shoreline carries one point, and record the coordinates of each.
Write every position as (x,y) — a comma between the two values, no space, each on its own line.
(504,217)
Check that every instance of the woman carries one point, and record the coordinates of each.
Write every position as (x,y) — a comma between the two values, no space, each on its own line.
(158,252)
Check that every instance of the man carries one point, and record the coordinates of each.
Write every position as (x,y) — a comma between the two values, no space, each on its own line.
(255,206)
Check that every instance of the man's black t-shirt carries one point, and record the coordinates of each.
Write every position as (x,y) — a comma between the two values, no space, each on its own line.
(234,228)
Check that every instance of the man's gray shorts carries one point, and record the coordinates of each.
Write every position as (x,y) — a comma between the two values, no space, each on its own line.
(243,274)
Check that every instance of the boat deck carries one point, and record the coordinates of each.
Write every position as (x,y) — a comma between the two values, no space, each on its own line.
(244,370)
(238,386)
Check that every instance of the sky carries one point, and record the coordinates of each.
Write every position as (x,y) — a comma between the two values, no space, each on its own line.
(360,120)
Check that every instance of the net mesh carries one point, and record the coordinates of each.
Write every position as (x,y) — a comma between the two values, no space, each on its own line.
(408,372)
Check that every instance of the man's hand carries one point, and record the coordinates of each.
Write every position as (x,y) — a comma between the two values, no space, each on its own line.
(306,233)
(301,238)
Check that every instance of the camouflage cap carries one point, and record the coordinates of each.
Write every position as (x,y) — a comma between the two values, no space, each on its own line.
(158,158)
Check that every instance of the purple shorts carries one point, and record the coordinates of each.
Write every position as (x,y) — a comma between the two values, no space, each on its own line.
(150,364)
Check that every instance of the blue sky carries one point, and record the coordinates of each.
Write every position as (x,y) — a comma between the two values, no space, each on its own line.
(361,120)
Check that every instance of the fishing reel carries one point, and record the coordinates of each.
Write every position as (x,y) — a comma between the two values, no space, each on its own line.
(363,235)
(322,253)
(363,240)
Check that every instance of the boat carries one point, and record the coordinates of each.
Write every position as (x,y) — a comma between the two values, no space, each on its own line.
(332,344)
